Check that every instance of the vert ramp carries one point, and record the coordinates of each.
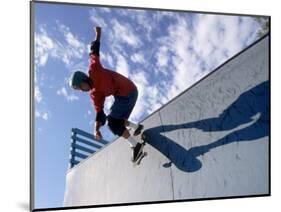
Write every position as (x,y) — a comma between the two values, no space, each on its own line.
(210,141)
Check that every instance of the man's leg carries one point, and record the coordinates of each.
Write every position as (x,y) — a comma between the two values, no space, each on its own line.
(137,127)
(136,146)
(118,127)
(130,139)
(130,124)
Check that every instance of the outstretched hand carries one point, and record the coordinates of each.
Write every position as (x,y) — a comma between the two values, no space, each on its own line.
(98,135)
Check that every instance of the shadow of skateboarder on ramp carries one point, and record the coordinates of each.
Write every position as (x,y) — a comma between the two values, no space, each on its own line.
(251,108)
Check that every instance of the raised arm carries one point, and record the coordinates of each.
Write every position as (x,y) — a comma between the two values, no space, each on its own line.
(95,65)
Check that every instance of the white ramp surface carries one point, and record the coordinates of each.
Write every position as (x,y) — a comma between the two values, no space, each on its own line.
(210,141)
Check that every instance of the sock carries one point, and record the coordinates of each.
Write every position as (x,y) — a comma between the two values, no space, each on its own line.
(133,125)
(132,141)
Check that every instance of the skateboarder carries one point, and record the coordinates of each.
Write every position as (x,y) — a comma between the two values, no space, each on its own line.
(101,83)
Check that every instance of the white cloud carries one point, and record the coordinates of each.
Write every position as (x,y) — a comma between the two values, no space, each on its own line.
(45,115)
(62,45)
(105,9)
(141,82)
(183,64)
(43,46)
(81,66)
(71,47)
(124,33)
(195,51)
(72,41)
(107,58)
(96,18)
(145,21)
(37,113)
(162,57)
(217,38)
(65,46)
(69,97)
(122,66)
(37,94)
(148,98)
(248,29)
(138,58)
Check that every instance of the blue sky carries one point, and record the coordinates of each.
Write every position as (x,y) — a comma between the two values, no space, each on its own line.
(162,52)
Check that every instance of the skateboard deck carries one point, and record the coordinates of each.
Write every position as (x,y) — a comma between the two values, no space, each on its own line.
(138,161)
(143,153)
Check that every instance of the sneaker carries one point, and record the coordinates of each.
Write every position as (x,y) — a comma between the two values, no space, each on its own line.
(137,150)
(138,130)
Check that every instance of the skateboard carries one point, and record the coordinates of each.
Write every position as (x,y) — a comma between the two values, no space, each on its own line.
(142,154)
(138,161)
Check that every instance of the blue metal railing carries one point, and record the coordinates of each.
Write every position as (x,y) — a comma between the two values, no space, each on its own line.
(83,145)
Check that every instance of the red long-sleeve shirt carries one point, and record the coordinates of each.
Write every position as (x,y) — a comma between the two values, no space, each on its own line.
(106,82)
